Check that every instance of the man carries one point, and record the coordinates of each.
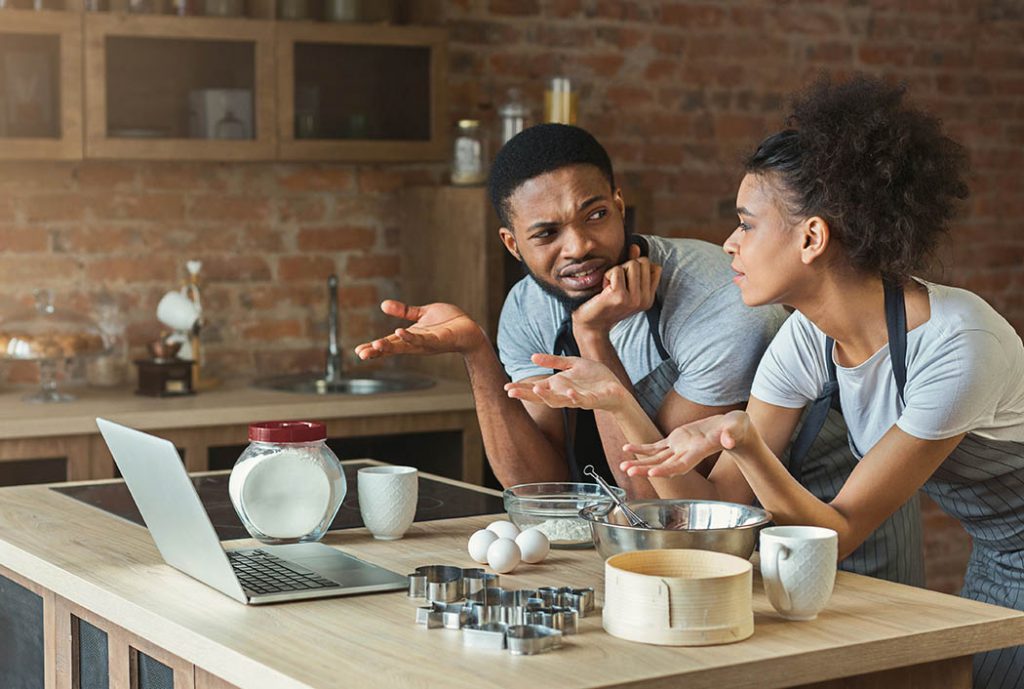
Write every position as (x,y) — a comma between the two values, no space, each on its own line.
(663,314)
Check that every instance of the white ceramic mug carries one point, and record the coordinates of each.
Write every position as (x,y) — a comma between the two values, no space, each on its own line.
(387,499)
(177,311)
(798,566)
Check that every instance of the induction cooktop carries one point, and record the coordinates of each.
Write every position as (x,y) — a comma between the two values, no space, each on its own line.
(437,500)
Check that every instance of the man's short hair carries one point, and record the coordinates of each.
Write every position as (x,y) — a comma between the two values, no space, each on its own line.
(538,150)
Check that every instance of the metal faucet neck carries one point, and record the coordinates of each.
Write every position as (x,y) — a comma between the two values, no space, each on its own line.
(333,370)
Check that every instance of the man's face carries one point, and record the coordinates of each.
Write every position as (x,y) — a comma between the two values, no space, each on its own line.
(567,229)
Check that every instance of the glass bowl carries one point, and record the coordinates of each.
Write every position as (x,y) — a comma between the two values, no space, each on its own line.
(553,508)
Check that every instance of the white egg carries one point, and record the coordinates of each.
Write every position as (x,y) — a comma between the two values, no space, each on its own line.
(533,545)
(479,542)
(504,529)
(503,556)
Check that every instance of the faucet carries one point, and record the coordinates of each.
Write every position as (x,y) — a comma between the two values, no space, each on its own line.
(333,372)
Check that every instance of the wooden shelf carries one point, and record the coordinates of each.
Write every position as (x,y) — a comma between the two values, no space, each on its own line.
(386,82)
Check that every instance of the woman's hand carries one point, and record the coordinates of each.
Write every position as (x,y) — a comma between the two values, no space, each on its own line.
(582,383)
(686,446)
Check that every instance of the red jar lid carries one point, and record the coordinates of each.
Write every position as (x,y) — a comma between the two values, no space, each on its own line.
(287,431)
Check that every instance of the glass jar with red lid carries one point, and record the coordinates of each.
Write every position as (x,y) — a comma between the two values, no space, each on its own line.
(287,485)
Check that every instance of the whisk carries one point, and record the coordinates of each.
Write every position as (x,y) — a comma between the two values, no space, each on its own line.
(632,517)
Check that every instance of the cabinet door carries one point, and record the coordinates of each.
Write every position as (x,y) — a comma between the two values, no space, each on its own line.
(360,93)
(178,88)
(26,633)
(40,85)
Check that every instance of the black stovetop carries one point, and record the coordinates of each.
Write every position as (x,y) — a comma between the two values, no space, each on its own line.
(437,500)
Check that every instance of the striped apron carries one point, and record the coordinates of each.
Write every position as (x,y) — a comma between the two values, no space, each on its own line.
(980,483)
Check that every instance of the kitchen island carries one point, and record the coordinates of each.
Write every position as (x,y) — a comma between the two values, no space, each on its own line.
(95,571)
(65,437)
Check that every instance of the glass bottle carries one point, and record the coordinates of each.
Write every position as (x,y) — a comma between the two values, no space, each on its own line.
(287,485)
(514,115)
(469,154)
(561,101)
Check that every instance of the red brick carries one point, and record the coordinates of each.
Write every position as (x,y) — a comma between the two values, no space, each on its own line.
(628,96)
(743,127)
(689,15)
(261,238)
(305,267)
(806,21)
(304,208)
(229,207)
(830,51)
(603,64)
(669,43)
(129,206)
(185,176)
(373,180)
(358,297)
(372,266)
(281,295)
(660,68)
(874,54)
(514,7)
(235,268)
(49,177)
(131,269)
(621,37)
(564,8)
(336,238)
(99,175)
(314,178)
(23,239)
(50,207)
(86,239)
(272,331)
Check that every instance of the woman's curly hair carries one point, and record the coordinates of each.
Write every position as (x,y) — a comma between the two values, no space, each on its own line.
(882,174)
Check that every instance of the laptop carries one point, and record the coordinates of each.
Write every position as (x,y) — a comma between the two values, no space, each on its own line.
(185,537)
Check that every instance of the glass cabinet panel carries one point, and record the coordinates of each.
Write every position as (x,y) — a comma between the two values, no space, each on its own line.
(362,92)
(179,89)
(30,86)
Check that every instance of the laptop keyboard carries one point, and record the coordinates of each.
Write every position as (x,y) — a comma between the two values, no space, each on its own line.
(260,572)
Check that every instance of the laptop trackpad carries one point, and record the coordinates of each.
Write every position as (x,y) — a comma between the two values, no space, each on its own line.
(333,564)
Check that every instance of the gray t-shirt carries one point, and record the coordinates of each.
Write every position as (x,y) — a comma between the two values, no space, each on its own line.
(715,341)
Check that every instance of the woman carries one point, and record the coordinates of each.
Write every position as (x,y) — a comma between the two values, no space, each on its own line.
(835,215)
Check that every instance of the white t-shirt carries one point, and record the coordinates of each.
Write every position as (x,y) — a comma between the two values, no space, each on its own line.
(965,372)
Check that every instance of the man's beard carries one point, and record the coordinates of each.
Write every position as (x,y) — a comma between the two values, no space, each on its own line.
(573,303)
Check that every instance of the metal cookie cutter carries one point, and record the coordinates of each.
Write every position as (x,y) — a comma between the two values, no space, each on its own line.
(486,605)
(580,599)
(475,578)
(565,620)
(436,583)
(531,639)
(447,615)
(490,636)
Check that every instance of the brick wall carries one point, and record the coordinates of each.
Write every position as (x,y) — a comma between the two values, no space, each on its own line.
(676,90)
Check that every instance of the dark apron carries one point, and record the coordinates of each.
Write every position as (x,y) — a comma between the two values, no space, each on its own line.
(582,439)
(896,324)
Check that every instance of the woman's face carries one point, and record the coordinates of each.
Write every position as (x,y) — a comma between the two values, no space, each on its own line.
(766,246)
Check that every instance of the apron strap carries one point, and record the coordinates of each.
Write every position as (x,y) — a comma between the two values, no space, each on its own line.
(896,325)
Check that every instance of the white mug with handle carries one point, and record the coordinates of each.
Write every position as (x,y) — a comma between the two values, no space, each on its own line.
(798,567)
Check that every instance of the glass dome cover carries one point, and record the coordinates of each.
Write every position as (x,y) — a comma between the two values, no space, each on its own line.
(49,333)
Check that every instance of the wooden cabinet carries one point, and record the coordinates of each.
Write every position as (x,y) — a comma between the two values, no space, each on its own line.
(147,79)
(348,92)
(77,84)
(40,85)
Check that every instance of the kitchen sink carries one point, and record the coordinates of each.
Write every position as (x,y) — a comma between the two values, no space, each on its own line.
(369,384)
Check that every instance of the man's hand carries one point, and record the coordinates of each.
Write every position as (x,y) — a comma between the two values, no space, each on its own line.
(686,446)
(628,288)
(581,384)
(439,328)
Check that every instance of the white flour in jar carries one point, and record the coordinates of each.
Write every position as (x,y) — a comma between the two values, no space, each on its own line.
(565,530)
(284,495)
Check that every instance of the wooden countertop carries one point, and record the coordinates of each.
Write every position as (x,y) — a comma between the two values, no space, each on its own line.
(232,404)
(112,568)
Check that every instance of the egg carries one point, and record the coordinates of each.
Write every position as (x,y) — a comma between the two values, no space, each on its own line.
(504,529)
(533,545)
(479,542)
(503,555)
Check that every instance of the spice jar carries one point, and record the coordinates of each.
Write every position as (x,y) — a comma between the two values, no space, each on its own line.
(287,485)
(561,101)
(469,154)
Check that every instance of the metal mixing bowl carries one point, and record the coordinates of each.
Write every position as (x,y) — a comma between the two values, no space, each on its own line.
(725,527)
